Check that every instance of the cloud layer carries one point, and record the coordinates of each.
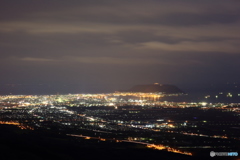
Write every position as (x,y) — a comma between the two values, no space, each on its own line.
(119,42)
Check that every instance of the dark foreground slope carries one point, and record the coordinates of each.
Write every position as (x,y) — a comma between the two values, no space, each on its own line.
(48,145)
(19,144)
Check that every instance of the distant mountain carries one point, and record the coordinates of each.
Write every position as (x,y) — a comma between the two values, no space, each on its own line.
(155,88)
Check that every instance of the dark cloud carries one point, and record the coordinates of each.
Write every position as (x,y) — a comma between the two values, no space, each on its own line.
(191,19)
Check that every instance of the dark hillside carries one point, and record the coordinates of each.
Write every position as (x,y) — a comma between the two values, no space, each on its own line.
(156,88)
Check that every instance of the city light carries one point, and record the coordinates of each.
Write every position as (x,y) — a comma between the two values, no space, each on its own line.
(113,116)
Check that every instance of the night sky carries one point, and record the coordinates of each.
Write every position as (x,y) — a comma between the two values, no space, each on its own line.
(100,46)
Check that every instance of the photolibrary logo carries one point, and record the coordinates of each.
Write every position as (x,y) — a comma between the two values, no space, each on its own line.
(212,153)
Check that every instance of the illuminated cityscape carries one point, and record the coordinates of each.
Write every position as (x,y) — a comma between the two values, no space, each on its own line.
(186,128)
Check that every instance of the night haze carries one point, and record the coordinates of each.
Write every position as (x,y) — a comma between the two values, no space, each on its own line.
(76,46)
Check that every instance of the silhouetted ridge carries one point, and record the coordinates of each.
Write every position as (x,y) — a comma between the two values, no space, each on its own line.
(155,88)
